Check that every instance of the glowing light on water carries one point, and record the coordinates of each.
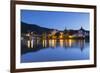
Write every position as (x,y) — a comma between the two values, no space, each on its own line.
(66,42)
(44,43)
(28,44)
(53,43)
(81,44)
(31,43)
(50,42)
(61,42)
(70,42)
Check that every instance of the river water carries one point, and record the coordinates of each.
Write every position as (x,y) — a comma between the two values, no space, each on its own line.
(56,50)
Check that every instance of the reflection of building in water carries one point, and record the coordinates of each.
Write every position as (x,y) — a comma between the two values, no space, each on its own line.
(52,43)
(30,39)
(30,43)
(81,44)
(44,43)
(70,43)
(49,43)
(61,41)
(66,43)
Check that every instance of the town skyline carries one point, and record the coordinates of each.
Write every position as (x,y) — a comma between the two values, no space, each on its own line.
(56,20)
(58,29)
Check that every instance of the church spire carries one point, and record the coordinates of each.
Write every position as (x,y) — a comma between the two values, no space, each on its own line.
(65,29)
(81,28)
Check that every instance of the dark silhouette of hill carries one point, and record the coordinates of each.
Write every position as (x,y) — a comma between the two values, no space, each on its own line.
(25,27)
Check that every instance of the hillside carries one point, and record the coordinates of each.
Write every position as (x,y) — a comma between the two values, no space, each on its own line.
(33,27)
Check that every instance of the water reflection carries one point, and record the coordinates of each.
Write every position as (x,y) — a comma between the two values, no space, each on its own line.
(30,44)
(45,43)
(81,43)
(61,43)
(70,42)
(54,50)
(52,43)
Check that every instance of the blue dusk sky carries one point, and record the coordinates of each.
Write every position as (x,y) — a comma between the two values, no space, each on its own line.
(56,20)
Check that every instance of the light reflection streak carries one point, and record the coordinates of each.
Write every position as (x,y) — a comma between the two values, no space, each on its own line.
(61,42)
(53,43)
(44,43)
(50,42)
(28,43)
(32,43)
(71,41)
